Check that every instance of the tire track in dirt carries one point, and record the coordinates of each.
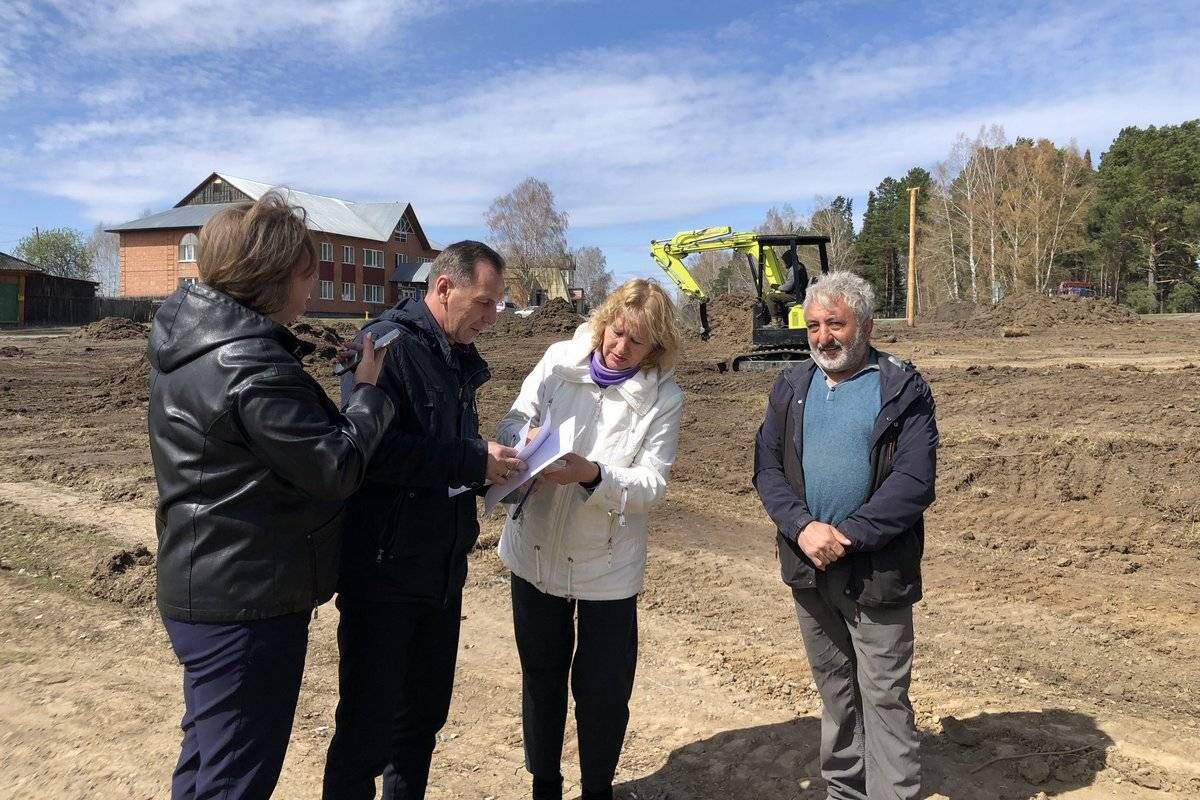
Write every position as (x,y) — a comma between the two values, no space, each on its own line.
(124,522)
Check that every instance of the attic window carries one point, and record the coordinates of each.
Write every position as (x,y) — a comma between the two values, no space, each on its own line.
(187,247)
(403,230)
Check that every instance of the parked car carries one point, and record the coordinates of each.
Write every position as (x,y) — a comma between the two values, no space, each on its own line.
(1076,289)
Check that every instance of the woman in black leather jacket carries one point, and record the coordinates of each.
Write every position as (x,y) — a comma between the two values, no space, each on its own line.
(253,464)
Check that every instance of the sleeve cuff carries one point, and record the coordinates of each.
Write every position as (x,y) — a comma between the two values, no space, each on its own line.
(474,463)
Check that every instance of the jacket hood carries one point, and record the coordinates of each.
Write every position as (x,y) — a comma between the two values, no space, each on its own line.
(198,318)
(640,391)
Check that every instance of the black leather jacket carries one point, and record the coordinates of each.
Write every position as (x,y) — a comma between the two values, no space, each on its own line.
(406,539)
(253,462)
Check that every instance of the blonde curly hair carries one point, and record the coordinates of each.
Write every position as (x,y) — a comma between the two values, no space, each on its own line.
(649,310)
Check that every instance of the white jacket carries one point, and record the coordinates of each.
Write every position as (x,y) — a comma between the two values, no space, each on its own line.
(565,542)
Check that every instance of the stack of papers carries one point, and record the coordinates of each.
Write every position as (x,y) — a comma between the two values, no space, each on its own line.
(552,442)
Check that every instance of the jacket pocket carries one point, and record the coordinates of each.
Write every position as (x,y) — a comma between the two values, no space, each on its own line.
(794,567)
(893,574)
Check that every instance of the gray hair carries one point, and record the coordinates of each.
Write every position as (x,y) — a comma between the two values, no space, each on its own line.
(457,262)
(834,286)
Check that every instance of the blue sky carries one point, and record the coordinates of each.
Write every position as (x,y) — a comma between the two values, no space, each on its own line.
(644,117)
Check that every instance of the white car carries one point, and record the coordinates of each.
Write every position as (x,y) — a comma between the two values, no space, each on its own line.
(525,312)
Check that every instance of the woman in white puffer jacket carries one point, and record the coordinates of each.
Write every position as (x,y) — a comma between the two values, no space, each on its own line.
(577,549)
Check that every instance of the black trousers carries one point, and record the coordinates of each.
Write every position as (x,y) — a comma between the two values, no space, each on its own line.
(240,684)
(395,679)
(601,669)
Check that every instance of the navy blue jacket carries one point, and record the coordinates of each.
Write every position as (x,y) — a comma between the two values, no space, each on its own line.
(888,530)
(406,539)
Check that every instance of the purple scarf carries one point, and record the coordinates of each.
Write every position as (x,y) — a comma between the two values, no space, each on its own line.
(605,377)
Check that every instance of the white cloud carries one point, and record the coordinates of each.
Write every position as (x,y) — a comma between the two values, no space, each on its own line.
(201,25)
(622,137)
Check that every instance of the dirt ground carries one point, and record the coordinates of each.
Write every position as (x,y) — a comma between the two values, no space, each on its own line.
(1061,617)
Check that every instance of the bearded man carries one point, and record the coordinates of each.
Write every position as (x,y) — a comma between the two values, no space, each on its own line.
(844,464)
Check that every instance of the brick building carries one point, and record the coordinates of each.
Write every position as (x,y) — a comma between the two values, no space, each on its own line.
(366,250)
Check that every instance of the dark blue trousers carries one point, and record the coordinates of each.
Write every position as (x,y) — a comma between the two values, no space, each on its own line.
(240,684)
(395,679)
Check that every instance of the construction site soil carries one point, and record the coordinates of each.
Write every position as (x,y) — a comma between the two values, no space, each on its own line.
(1057,644)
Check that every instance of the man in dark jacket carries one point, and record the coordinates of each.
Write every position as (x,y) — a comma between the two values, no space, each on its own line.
(408,536)
(844,463)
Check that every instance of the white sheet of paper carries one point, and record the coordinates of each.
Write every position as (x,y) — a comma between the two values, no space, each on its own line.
(522,451)
(552,443)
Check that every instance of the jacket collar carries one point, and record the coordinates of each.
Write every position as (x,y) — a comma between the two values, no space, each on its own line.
(414,314)
(894,375)
(198,318)
(640,391)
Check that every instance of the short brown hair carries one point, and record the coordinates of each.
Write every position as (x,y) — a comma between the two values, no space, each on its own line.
(457,262)
(249,251)
(649,310)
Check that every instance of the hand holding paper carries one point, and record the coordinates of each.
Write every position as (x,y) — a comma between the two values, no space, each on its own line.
(550,443)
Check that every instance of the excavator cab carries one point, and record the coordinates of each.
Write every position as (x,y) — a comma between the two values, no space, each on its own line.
(778,334)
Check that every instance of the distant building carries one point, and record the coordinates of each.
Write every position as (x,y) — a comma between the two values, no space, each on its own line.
(361,246)
(29,296)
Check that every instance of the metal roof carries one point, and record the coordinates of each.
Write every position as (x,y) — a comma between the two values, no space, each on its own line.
(373,221)
(182,217)
(14,264)
(411,273)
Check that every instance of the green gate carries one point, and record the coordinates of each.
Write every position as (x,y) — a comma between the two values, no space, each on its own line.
(8,303)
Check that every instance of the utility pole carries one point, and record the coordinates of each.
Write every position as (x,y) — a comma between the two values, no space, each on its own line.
(911,312)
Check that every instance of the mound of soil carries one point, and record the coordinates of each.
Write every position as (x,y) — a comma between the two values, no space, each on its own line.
(952,311)
(324,338)
(1039,311)
(134,376)
(556,317)
(9,352)
(114,328)
(125,576)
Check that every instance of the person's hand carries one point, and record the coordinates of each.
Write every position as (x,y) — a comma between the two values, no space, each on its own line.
(369,362)
(533,432)
(577,470)
(823,544)
(502,462)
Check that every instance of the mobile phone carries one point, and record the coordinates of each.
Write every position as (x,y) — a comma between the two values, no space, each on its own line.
(380,344)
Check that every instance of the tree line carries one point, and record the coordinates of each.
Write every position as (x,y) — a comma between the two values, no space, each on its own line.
(994,217)
(998,217)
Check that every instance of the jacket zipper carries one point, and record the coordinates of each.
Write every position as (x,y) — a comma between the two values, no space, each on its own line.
(312,563)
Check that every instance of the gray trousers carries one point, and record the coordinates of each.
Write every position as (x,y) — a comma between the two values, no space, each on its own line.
(861,661)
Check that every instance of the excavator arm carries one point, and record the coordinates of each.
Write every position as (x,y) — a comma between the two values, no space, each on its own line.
(669,254)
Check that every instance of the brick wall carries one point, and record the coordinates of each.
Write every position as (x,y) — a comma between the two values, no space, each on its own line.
(150,268)
(150,264)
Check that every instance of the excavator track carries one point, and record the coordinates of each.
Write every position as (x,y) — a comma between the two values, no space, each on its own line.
(772,359)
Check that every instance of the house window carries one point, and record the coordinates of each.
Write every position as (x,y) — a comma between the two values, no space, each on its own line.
(401,258)
(372,258)
(348,291)
(425,259)
(403,230)
(187,247)
(347,254)
(326,290)
(372,293)
(326,251)
(186,282)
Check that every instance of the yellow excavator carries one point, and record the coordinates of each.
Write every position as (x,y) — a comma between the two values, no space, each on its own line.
(778,335)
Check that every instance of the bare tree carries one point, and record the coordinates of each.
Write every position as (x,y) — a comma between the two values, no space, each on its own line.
(106,255)
(592,273)
(531,233)
(834,218)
